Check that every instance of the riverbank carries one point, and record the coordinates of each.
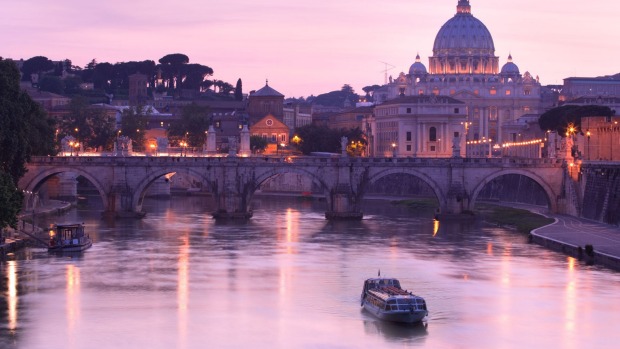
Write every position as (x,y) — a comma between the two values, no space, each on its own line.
(27,231)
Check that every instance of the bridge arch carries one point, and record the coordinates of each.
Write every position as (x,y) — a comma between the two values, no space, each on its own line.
(262,176)
(551,195)
(439,193)
(147,181)
(33,184)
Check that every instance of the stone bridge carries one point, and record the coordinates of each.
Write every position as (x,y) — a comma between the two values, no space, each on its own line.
(123,181)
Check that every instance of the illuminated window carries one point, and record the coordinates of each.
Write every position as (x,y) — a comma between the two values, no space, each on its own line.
(507,92)
(452,92)
(161,124)
(493,92)
(476,92)
(420,92)
(436,91)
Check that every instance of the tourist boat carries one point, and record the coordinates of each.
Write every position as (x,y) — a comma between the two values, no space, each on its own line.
(68,238)
(385,299)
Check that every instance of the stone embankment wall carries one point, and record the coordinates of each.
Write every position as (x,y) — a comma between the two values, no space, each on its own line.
(601,192)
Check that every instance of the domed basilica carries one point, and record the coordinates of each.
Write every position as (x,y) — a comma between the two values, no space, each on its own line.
(464,66)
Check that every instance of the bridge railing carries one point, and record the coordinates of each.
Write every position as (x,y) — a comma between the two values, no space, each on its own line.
(300,160)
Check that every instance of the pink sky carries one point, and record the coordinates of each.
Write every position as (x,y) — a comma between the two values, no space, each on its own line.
(309,47)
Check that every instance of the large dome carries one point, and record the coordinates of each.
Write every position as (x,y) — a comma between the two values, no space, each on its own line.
(463,35)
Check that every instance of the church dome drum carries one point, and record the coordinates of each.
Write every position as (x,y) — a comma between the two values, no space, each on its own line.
(463,45)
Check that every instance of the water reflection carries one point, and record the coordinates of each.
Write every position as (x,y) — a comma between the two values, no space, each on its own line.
(290,279)
(12,295)
(396,332)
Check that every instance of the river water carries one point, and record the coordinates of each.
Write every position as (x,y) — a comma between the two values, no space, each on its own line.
(291,279)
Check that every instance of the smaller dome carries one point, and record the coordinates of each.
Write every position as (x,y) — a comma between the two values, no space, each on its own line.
(417,68)
(510,68)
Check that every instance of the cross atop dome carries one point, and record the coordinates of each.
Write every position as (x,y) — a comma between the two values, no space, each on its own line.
(463,7)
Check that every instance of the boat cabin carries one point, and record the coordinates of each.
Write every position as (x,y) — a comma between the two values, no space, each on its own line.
(66,234)
(374,283)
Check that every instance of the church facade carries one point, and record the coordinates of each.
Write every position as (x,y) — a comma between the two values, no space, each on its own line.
(464,66)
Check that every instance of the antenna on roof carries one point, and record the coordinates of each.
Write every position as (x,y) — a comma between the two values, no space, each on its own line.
(386,70)
(379,273)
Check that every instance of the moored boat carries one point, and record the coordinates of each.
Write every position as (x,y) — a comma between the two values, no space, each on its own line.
(385,299)
(68,238)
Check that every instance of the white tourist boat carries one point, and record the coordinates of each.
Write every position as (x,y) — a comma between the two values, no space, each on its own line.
(385,299)
(68,238)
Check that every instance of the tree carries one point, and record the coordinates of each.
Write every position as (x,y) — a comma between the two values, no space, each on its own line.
(25,130)
(92,127)
(171,68)
(51,83)
(10,201)
(257,144)
(134,122)
(36,65)
(560,118)
(192,125)
(238,91)
(318,139)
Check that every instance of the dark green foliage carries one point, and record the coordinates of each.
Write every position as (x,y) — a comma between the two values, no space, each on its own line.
(558,119)
(522,220)
(51,83)
(10,201)
(257,144)
(25,129)
(92,127)
(337,98)
(238,91)
(191,127)
(133,124)
(36,65)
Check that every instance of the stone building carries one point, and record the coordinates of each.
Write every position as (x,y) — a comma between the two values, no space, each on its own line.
(263,102)
(464,66)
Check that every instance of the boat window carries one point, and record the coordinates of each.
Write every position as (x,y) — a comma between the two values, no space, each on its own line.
(392,301)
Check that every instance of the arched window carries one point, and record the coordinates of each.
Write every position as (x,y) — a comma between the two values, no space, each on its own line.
(432,134)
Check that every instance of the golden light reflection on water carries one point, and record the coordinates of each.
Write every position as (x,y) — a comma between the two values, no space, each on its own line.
(12,295)
(571,296)
(73,298)
(435,227)
(183,290)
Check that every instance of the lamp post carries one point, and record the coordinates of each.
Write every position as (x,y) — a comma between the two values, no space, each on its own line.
(393,150)
(77,138)
(588,145)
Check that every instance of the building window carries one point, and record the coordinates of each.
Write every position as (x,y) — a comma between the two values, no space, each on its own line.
(452,92)
(507,92)
(527,92)
(408,110)
(436,91)
(283,137)
(408,147)
(456,110)
(409,136)
(493,92)
(476,92)
(432,148)
(420,92)
(274,138)
(456,134)
(432,134)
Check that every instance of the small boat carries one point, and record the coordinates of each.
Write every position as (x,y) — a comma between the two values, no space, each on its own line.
(385,299)
(68,238)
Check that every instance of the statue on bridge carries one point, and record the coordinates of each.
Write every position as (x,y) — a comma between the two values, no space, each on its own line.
(343,145)
(123,146)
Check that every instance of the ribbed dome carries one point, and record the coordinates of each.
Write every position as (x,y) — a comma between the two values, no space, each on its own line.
(417,68)
(510,68)
(464,35)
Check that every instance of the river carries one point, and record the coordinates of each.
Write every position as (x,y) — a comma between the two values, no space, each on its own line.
(290,279)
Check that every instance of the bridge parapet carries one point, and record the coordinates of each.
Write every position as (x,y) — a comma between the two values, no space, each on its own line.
(123,181)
